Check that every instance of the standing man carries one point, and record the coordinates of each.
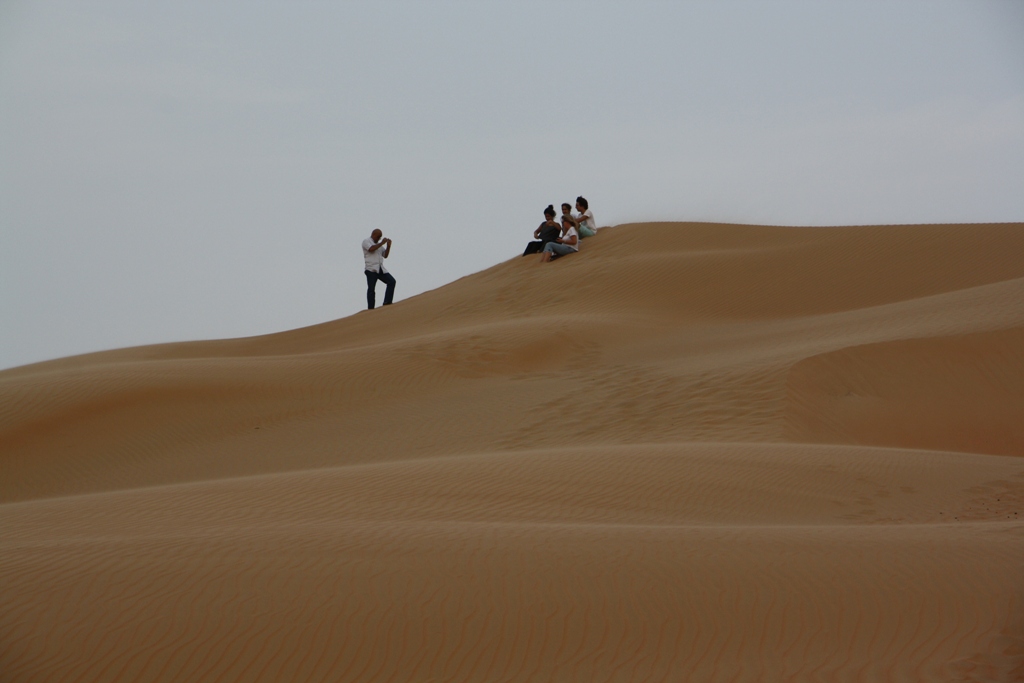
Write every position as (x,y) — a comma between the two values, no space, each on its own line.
(376,248)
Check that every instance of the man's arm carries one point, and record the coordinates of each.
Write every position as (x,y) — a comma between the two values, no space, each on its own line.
(376,246)
(387,250)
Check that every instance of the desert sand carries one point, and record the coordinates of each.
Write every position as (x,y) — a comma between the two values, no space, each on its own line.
(691,452)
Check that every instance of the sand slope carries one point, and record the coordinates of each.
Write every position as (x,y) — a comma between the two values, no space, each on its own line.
(690,452)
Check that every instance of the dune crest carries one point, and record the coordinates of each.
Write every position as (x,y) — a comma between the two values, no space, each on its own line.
(733,453)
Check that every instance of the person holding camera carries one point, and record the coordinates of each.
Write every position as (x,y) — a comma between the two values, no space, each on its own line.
(376,248)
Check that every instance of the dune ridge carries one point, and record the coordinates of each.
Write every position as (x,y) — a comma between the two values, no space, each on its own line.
(690,452)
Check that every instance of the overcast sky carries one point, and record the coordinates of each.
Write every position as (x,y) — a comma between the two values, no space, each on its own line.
(194,170)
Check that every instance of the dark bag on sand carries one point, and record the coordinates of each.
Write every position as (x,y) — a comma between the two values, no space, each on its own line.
(549,234)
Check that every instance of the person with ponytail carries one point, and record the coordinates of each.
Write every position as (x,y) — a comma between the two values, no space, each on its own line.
(546,232)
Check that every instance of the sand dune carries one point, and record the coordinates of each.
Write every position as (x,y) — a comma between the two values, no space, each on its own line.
(690,452)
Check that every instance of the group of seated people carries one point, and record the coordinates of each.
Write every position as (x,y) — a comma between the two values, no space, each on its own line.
(554,239)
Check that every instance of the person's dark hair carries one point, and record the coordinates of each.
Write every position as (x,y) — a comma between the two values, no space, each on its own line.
(550,211)
(567,205)
(582,202)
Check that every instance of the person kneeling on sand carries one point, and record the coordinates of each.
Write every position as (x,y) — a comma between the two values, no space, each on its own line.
(546,232)
(568,243)
(585,218)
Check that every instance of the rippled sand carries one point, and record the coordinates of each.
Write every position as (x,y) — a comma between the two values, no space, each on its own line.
(691,452)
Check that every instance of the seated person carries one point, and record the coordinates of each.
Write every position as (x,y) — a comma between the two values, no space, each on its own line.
(585,218)
(567,213)
(546,232)
(568,243)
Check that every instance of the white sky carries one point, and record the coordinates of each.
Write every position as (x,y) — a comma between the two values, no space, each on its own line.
(198,169)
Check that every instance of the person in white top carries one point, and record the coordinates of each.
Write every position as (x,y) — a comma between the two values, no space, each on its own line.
(568,243)
(585,218)
(376,248)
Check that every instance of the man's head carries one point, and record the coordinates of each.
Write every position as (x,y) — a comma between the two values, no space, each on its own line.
(376,235)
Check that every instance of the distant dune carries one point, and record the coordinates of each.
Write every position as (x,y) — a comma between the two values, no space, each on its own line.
(691,452)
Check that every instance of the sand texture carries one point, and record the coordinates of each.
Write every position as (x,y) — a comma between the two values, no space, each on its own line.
(691,452)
